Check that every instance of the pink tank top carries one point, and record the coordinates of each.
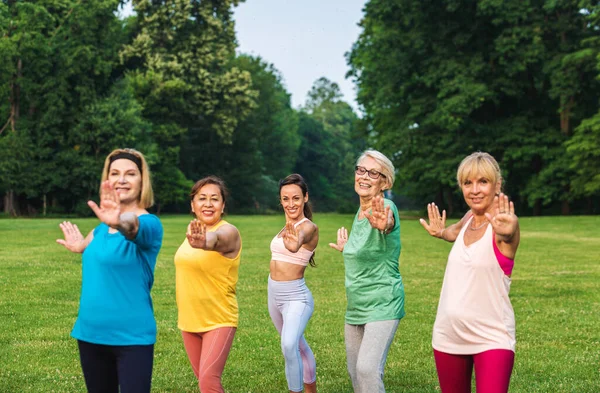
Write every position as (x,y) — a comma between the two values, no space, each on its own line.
(474,312)
(282,254)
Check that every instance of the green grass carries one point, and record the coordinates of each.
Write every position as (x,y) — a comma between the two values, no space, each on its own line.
(555,294)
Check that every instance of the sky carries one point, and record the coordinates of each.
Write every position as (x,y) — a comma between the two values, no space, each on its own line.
(303,39)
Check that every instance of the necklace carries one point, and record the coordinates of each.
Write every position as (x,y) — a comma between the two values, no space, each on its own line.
(479,227)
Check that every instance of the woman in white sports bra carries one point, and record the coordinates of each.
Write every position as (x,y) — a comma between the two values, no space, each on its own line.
(290,301)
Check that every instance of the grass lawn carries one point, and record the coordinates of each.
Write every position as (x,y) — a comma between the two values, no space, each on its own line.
(555,293)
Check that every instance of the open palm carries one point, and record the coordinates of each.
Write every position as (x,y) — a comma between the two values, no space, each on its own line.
(109,210)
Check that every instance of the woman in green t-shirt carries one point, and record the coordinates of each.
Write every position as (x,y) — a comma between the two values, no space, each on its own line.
(374,288)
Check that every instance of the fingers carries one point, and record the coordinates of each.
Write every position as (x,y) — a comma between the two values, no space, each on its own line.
(95,208)
(197,228)
(502,205)
(433,211)
(342,235)
(335,246)
(424,224)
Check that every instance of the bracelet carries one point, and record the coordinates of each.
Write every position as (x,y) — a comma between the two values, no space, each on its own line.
(442,234)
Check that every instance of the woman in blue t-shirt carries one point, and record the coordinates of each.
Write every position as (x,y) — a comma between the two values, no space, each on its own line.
(115,328)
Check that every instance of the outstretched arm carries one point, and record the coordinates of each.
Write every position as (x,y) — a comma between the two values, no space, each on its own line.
(225,239)
(109,212)
(74,240)
(505,224)
(294,237)
(380,217)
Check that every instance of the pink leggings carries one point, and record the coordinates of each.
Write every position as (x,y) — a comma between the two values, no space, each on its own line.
(492,371)
(208,353)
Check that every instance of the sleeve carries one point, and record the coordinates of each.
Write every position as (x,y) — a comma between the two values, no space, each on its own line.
(97,229)
(394,209)
(150,232)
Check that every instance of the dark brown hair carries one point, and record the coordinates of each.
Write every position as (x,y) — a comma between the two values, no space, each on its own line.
(217,181)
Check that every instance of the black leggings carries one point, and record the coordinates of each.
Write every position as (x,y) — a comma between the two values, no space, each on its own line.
(108,367)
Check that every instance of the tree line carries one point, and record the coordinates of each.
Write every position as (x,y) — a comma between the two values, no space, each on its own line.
(77,81)
(436,81)
(519,79)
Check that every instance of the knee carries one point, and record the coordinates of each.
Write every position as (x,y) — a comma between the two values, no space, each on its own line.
(289,349)
(368,371)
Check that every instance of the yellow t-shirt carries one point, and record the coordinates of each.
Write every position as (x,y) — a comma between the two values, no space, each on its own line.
(205,288)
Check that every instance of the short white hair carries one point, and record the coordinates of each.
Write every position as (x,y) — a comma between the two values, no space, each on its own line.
(387,168)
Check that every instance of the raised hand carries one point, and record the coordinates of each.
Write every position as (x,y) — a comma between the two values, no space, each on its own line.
(503,220)
(437,222)
(109,210)
(196,234)
(342,239)
(74,240)
(380,217)
(291,237)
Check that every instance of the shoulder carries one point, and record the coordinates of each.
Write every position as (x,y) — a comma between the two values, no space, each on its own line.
(150,224)
(149,218)
(228,229)
(390,203)
(309,226)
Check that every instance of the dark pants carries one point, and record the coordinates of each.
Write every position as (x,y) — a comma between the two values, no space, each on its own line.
(108,367)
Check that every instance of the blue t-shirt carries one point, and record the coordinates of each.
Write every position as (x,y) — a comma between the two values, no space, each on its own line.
(117,274)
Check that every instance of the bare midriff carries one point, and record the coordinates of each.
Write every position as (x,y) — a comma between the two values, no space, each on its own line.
(285,271)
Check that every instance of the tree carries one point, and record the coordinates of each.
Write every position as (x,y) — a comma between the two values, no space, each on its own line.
(489,75)
(584,147)
(59,58)
(329,147)
(184,79)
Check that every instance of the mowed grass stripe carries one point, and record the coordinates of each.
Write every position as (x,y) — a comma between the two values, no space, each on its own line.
(555,293)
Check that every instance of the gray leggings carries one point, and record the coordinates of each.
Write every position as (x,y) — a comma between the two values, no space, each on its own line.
(367,347)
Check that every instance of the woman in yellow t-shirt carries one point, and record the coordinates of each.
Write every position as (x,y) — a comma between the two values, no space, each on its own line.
(206,266)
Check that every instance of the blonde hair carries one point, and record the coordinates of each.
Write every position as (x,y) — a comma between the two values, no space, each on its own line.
(146,198)
(387,168)
(479,164)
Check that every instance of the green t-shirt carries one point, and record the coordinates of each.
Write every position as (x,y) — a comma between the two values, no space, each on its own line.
(374,288)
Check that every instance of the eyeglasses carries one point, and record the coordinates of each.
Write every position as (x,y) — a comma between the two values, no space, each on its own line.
(373,174)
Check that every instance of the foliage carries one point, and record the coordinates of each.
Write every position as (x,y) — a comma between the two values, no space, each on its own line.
(508,77)
(328,151)
(60,57)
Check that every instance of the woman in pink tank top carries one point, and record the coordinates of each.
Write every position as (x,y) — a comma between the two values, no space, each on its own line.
(475,322)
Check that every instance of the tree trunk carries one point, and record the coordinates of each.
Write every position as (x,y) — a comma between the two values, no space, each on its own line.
(45,205)
(10,205)
(449,202)
(537,207)
(565,209)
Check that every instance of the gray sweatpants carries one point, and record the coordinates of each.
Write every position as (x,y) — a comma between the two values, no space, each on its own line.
(367,347)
